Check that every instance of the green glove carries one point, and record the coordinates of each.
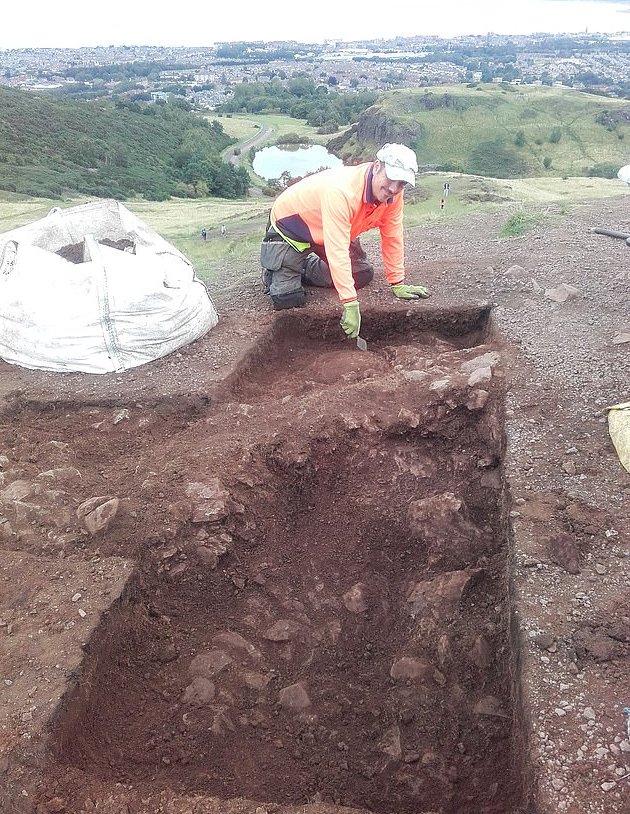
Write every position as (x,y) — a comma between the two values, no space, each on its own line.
(409,292)
(351,319)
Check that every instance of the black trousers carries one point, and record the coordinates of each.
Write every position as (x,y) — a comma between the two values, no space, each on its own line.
(285,270)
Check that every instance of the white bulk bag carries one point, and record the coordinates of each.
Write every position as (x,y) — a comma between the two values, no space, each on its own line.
(111,309)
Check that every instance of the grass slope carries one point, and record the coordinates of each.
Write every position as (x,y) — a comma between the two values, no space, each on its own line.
(512,131)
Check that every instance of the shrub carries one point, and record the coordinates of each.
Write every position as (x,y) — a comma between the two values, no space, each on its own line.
(292,138)
(327,128)
(496,159)
(517,224)
(603,170)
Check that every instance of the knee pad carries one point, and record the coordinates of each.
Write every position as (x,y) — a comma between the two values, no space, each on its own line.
(293,299)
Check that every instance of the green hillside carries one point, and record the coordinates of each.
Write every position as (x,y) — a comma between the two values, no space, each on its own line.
(54,148)
(507,131)
(59,149)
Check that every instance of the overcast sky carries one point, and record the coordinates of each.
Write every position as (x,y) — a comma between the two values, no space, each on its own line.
(74,23)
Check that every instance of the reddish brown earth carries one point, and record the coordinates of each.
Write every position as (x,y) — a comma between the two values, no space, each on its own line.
(271,573)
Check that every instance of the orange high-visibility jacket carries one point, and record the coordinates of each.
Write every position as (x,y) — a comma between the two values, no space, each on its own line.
(333,207)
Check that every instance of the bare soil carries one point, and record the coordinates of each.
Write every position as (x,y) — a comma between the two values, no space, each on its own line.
(272,573)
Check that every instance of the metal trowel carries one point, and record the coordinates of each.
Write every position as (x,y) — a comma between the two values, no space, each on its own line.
(361,343)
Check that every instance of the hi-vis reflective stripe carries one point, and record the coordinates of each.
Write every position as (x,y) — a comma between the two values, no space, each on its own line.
(297,245)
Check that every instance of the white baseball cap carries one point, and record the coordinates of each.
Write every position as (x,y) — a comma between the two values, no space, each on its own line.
(400,163)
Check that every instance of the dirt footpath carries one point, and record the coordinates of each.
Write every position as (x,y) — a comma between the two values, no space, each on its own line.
(271,573)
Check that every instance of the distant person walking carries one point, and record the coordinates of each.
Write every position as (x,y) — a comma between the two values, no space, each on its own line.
(442,203)
(223,231)
(446,189)
(204,234)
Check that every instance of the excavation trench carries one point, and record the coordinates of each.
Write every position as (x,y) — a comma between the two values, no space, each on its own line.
(340,630)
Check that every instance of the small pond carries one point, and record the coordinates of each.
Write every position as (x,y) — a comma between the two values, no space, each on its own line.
(271,162)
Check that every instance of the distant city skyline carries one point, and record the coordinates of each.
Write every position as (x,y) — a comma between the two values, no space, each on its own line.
(69,24)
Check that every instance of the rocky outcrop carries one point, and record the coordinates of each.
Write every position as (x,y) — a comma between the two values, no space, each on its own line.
(374,128)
